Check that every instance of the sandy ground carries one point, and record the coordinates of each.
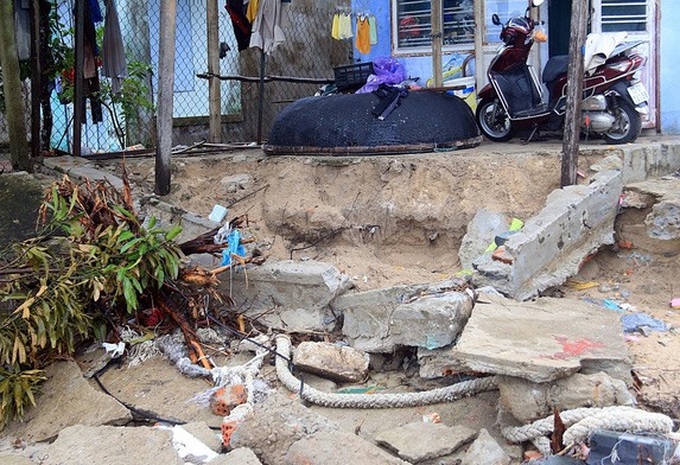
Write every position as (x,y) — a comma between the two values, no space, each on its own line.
(400,219)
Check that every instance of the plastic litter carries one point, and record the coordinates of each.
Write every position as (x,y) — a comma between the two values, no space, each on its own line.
(675,303)
(641,321)
(385,71)
(629,449)
(234,247)
(218,213)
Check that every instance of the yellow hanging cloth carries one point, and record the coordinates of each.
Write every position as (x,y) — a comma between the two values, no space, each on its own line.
(251,12)
(335,27)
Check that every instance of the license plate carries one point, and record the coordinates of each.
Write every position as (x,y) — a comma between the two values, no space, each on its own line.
(638,93)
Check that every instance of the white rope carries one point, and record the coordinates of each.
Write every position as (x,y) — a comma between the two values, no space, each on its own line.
(394,400)
(582,422)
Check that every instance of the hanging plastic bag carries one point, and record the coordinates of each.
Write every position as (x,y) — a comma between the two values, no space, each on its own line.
(385,71)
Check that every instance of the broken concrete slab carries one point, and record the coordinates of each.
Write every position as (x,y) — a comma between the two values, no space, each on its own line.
(425,315)
(290,295)
(528,401)
(485,450)
(237,182)
(438,363)
(442,440)
(542,340)
(240,456)
(203,433)
(11,459)
(481,231)
(281,431)
(339,363)
(80,168)
(169,215)
(67,399)
(111,445)
(551,247)
(157,387)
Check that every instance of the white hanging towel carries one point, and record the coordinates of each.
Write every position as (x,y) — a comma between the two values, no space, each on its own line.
(267,33)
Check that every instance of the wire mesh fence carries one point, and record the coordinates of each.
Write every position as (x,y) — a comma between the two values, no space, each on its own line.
(119,120)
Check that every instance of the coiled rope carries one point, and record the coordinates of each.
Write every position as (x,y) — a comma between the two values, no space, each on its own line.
(394,400)
(582,422)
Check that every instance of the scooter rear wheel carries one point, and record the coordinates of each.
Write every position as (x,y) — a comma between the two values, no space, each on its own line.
(493,121)
(628,124)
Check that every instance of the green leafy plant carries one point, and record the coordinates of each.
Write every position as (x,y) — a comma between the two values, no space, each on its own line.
(94,263)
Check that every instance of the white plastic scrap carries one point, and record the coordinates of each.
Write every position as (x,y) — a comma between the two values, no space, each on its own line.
(189,446)
(116,350)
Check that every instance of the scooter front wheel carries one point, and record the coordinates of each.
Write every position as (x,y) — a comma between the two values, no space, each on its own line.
(493,121)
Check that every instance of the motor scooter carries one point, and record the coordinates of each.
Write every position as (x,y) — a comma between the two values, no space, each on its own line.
(513,100)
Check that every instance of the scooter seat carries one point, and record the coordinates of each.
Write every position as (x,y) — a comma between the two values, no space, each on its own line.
(559,64)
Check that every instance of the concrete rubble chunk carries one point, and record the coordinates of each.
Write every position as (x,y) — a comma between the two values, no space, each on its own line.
(203,433)
(67,399)
(289,294)
(240,456)
(111,445)
(528,401)
(407,440)
(157,386)
(438,363)
(426,315)
(282,431)
(237,182)
(485,450)
(481,231)
(338,363)
(542,340)
(576,221)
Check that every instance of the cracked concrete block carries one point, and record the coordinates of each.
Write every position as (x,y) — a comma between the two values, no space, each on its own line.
(282,431)
(663,223)
(481,231)
(332,361)
(441,440)
(426,315)
(575,222)
(289,295)
(240,456)
(438,363)
(485,450)
(67,399)
(528,401)
(542,340)
(237,182)
(111,445)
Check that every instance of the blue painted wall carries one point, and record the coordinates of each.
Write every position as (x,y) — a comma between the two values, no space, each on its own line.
(416,66)
(670,67)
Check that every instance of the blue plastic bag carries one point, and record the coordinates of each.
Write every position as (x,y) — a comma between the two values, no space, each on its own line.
(234,247)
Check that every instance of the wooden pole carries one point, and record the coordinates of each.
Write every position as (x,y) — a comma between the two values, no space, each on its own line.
(214,92)
(572,117)
(260,96)
(437,43)
(36,78)
(166,79)
(14,104)
(78,112)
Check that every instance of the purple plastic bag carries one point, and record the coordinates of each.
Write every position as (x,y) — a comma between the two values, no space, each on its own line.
(385,71)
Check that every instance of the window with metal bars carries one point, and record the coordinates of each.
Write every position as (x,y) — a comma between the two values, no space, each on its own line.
(413,25)
(624,15)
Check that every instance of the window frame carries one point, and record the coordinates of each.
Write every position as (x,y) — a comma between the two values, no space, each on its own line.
(425,50)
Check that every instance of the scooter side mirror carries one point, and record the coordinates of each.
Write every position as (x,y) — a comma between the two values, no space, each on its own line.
(495,19)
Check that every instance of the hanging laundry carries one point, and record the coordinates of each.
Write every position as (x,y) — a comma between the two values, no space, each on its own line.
(22,28)
(251,12)
(363,42)
(267,31)
(346,26)
(242,27)
(373,29)
(90,75)
(113,52)
(335,27)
